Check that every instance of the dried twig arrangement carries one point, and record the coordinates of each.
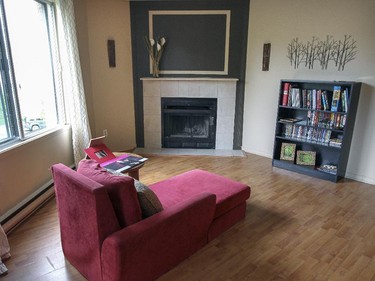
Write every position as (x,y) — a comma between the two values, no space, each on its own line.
(155,50)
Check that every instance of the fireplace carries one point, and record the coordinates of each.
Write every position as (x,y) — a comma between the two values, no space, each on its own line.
(221,89)
(188,122)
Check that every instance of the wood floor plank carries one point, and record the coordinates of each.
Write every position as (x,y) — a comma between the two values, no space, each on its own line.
(296,228)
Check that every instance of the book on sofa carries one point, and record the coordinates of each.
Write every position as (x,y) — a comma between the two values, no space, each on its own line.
(123,162)
(99,152)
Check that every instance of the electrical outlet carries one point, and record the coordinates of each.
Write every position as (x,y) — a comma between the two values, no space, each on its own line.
(105,132)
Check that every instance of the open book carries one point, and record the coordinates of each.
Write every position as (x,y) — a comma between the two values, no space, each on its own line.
(98,151)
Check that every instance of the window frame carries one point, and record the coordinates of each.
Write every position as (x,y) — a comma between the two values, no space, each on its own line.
(6,78)
(14,127)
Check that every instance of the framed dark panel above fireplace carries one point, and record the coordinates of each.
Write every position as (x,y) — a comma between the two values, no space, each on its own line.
(201,35)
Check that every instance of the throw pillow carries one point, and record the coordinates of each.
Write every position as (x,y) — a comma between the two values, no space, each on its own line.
(150,203)
(120,189)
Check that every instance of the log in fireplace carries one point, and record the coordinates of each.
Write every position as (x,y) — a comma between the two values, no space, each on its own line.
(188,122)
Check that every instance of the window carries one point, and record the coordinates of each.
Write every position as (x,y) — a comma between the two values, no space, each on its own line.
(30,81)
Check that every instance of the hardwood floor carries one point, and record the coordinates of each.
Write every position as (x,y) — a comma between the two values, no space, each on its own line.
(296,228)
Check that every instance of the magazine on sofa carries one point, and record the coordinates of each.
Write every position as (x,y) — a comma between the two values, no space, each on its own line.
(123,162)
(103,155)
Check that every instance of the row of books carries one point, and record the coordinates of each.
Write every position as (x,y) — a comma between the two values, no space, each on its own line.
(326,120)
(315,98)
(319,119)
(309,134)
(306,133)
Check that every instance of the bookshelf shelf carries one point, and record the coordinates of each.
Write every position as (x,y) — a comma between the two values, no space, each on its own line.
(307,109)
(317,118)
(313,172)
(304,141)
(309,126)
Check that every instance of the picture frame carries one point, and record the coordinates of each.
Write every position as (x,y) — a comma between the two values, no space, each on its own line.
(306,158)
(288,151)
(195,23)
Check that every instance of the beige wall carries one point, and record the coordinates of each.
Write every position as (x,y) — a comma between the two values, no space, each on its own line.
(83,41)
(23,170)
(109,91)
(109,96)
(277,22)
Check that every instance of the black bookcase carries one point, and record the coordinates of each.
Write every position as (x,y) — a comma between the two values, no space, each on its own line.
(313,128)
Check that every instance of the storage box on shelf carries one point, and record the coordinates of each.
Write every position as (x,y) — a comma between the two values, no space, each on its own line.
(316,116)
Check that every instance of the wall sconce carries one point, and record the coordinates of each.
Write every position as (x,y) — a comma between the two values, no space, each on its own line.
(111,52)
(266,56)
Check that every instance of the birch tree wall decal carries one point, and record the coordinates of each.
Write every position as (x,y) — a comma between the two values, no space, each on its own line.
(326,51)
(295,53)
(346,51)
(338,51)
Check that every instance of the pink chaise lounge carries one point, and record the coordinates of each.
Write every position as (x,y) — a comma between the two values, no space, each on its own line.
(104,236)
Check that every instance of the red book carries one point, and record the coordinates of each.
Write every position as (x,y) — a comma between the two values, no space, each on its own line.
(285,94)
(100,153)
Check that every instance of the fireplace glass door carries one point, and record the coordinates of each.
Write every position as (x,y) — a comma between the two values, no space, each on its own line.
(188,122)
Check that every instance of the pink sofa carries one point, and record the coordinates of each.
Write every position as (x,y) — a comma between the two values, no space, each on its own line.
(104,236)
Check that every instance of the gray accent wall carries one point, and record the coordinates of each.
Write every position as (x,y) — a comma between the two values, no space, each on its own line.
(193,43)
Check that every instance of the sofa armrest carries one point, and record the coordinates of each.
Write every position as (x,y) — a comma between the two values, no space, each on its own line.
(151,247)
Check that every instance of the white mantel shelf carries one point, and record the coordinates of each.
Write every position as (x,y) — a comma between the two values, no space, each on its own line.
(188,79)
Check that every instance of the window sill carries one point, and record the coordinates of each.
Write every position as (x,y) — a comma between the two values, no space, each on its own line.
(19,143)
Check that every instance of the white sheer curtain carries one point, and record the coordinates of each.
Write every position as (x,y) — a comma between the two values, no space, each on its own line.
(4,251)
(74,95)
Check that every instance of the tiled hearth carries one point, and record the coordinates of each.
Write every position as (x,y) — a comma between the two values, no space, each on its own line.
(189,151)
(224,89)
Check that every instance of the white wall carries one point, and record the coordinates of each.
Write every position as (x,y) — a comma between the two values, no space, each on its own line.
(278,22)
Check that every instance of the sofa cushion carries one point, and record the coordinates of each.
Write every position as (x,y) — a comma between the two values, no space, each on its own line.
(229,193)
(150,203)
(120,189)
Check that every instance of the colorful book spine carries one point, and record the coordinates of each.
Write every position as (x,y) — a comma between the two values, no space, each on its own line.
(319,99)
(296,97)
(325,100)
(336,98)
(347,99)
(285,94)
(344,100)
(314,99)
(338,121)
(304,98)
(308,102)
(342,121)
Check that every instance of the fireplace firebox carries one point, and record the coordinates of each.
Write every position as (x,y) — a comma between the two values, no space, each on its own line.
(188,122)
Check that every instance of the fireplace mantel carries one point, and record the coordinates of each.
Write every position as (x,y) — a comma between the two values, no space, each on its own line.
(223,89)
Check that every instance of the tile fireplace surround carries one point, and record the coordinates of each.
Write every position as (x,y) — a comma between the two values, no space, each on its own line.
(224,89)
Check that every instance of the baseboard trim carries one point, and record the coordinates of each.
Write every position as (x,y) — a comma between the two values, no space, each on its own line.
(24,209)
(15,216)
(360,178)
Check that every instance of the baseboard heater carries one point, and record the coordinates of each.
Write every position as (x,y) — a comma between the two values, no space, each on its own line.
(24,209)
